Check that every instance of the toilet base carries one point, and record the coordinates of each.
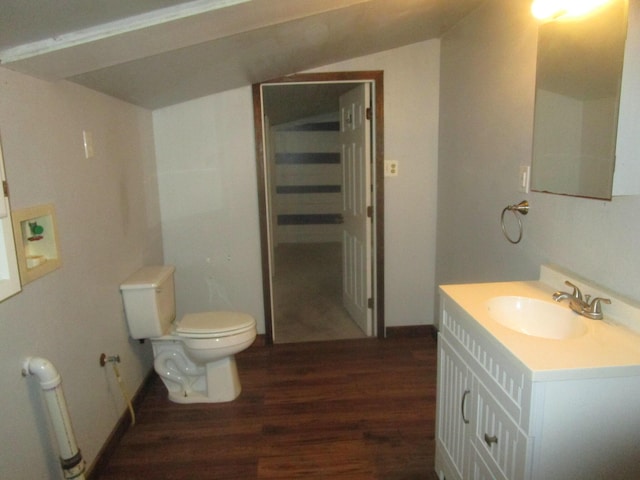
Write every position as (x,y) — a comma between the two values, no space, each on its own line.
(214,382)
(220,384)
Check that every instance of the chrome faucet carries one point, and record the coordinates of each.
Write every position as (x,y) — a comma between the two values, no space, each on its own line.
(582,306)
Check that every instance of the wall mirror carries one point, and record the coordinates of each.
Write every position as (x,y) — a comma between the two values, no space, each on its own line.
(9,278)
(578,78)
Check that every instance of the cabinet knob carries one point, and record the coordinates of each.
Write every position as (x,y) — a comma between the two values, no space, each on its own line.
(490,439)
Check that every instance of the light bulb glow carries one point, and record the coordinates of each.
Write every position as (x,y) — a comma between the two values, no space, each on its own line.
(547,9)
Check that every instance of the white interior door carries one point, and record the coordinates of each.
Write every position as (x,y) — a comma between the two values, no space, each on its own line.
(355,140)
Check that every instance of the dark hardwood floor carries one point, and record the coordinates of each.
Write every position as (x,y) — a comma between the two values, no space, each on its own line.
(349,409)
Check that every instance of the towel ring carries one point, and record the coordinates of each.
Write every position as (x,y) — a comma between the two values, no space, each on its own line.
(521,208)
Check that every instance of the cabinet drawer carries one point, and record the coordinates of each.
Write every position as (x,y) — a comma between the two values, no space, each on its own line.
(497,438)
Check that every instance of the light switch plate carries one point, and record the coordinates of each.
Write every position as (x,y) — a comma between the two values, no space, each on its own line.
(87,139)
(523,179)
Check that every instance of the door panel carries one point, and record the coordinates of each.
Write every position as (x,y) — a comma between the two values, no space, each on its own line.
(355,141)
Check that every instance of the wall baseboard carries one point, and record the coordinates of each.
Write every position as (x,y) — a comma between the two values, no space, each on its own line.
(100,462)
(411,331)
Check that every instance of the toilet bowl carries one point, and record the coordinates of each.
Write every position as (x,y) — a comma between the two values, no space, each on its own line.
(194,356)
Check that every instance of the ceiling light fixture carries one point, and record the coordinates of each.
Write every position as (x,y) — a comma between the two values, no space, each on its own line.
(554,9)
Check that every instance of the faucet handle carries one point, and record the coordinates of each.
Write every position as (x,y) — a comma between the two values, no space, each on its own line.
(576,291)
(595,307)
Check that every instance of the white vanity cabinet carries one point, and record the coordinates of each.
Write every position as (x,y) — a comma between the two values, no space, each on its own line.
(495,420)
(479,407)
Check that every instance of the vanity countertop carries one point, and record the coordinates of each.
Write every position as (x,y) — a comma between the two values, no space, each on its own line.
(605,350)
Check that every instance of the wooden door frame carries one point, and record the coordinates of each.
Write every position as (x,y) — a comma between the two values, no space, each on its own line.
(375,77)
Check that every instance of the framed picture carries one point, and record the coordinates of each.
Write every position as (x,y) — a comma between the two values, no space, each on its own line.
(36,237)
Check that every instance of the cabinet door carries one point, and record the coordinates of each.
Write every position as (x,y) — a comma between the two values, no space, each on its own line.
(453,411)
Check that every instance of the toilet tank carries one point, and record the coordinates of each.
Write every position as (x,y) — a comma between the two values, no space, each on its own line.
(149,301)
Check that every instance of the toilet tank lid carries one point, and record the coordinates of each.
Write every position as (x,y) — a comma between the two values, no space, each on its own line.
(148,277)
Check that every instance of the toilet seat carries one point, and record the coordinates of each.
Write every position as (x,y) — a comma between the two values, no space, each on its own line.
(213,324)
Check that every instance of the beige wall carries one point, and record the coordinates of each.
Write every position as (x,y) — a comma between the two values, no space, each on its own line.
(108,222)
(486,121)
(411,89)
(207,181)
(208,193)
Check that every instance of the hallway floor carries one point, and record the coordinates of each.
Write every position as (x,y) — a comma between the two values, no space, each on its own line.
(350,409)
(308,294)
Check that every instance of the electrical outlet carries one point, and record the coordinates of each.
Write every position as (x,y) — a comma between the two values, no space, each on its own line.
(390,168)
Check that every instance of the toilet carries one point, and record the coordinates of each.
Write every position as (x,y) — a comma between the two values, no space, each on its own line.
(194,356)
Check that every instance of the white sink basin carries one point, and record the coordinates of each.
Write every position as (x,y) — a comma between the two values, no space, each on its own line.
(536,317)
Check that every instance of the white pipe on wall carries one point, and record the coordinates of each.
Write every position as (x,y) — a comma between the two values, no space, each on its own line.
(71,460)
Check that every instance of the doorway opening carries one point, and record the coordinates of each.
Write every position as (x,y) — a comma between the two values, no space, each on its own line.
(321,201)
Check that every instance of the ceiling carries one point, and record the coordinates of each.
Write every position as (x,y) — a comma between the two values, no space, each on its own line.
(285,103)
(156,53)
